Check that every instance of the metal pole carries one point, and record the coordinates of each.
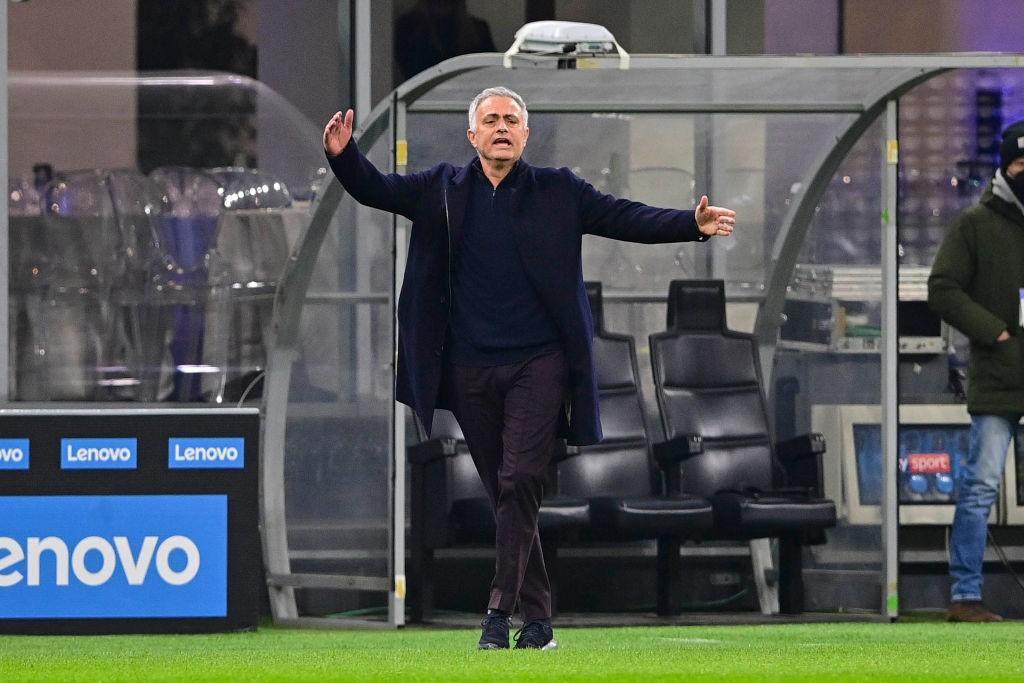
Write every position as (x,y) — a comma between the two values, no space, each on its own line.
(719,23)
(890,398)
(365,228)
(4,214)
(715,172)
(711,17)
(396,599)
(361,87)
(700,43)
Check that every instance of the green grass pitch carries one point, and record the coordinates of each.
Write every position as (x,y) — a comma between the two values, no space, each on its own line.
(818,652)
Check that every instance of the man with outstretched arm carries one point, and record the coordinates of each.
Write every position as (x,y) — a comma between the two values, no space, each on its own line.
(494,322)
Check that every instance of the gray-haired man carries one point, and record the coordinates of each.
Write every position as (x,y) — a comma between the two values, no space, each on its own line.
(494,322)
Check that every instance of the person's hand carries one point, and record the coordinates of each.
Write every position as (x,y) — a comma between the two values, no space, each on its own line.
(338,132)
(1003,336)
(714,220)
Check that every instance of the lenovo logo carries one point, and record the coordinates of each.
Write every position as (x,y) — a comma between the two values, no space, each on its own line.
(113,556)
(94,560)
(206,453)
(98,454)
(14,454)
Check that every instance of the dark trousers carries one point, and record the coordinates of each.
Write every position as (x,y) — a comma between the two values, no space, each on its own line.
(509,415)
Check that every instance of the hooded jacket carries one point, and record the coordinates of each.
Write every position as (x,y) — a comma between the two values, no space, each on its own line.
(975,286)
(551,211)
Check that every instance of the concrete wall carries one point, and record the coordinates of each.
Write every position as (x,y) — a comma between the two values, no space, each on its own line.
(744,27)
(64,35)
(71,127)
(304,55)
(793,27)
(913,26)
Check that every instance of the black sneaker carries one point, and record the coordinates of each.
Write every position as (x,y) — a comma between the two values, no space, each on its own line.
(536,635)
(495,635)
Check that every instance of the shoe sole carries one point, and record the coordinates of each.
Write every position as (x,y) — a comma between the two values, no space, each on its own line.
(551,645)
(490,646)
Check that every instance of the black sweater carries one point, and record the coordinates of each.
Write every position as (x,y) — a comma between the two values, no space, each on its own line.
(497,316)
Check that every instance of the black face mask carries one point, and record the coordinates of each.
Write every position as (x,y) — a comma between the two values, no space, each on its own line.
(1016,184)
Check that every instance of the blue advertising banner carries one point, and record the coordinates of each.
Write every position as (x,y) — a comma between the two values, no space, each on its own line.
(99,454)
(206,453)
(113,556)
(14,454)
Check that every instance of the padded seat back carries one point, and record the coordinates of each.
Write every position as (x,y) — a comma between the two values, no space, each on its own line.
(708,382)
(621,465)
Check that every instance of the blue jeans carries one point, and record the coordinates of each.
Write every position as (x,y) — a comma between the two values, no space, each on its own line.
(976,490)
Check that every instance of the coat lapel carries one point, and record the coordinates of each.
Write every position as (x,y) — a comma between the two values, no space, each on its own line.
(457,197)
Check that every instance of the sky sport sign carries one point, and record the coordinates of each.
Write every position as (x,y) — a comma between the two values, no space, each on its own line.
(113,556)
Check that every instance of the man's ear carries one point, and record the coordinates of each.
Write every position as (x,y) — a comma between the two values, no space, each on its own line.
(526,135)
(471,136)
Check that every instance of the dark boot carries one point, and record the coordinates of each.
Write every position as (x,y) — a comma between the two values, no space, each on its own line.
(970,611)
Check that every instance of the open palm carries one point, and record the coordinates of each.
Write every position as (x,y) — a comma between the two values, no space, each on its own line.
(338,132)
(714,220)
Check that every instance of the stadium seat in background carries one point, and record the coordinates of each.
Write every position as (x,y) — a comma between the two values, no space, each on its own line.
(449,508)
(225,247)
(187,295)
(620,477)
(80,248)
(252,240)
(708,384)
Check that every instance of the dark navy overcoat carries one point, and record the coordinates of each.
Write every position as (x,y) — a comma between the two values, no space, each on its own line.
(552,208)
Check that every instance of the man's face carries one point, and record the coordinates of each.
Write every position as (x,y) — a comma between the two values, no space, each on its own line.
(500,134)
(1015,167)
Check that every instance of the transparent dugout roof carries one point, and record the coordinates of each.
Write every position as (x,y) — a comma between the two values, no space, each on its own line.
(87,120)
(696,82)
(703,88)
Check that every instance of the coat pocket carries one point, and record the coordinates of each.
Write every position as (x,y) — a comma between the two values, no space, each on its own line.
(999,365)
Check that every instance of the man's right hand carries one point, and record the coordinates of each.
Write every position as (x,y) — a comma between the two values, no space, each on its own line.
(338,132)
(1003,336)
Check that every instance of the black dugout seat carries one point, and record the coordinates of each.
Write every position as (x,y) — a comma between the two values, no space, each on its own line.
(450,508)
(620,476)
(708,384)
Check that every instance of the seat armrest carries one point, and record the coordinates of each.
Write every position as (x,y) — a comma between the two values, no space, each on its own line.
(431,450)
(677,449)
(798,447)
(564,451)
(430,492)
(668,455)
(800,459)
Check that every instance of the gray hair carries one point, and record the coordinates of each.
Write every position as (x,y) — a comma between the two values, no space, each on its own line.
(498,91)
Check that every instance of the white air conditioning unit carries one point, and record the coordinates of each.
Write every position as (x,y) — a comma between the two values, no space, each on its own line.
(565,38)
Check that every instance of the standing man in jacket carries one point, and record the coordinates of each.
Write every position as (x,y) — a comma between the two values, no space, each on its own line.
(494,323)
(976,286)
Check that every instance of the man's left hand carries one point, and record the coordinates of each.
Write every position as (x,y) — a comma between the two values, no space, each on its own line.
(714,220)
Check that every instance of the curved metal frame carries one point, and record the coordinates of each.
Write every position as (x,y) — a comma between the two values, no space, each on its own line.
(288,305)
(906,72)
